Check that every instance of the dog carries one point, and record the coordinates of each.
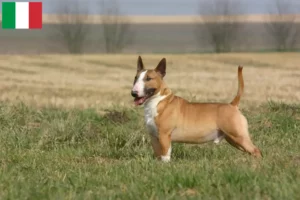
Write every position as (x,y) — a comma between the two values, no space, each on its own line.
(170,118)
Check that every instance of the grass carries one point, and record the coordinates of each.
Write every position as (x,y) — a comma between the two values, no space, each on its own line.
(54,153)
(68,129)
(99,81)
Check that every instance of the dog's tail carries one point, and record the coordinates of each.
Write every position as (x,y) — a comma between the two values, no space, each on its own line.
(236,100)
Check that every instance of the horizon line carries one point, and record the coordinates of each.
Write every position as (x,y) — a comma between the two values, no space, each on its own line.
(148,19)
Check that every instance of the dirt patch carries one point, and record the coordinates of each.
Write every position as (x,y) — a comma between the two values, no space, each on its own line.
(116,116)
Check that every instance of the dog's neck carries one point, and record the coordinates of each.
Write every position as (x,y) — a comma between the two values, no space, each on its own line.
(164,93)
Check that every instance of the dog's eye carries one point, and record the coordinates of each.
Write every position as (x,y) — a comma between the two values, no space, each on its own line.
(148,78)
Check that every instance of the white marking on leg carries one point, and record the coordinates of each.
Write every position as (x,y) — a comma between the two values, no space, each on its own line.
(167,157)
(139,86)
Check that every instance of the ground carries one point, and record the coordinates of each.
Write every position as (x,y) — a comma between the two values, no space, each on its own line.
(69,129)
(102,80)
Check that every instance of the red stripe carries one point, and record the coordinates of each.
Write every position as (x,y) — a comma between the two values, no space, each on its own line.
(35,15)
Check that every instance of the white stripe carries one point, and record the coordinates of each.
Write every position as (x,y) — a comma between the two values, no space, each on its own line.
(22,15)
(140,84)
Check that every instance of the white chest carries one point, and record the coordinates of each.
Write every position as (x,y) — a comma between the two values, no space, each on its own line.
(150,110)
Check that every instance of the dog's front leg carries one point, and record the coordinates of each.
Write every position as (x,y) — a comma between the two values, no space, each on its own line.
(165,144)
(156,146)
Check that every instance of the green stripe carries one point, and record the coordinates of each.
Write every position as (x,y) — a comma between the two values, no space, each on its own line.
(8,15)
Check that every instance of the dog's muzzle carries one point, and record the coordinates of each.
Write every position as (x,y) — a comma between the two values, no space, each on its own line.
(134,93)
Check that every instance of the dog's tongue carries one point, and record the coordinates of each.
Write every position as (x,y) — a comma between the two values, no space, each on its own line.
(139,100)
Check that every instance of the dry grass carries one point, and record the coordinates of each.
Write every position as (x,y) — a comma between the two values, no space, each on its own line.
(104,80)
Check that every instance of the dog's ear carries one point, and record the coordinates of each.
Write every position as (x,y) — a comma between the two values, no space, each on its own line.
(161,67)
(140,65)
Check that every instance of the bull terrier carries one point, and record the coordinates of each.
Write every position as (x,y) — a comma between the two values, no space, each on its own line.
(170,118)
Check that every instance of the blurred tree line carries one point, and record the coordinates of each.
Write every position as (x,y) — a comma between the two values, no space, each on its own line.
(73,29)
(223,33)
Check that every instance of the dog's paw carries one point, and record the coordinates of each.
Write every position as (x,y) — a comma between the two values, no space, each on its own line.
(166,159)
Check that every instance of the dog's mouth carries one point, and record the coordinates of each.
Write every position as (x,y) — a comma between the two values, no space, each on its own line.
(141,100)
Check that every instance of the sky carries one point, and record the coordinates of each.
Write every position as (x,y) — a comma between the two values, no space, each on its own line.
(168,7)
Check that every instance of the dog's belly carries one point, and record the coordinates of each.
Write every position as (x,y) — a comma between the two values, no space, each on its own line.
(198,137)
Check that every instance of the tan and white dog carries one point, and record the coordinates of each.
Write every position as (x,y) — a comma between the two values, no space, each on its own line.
(170,118)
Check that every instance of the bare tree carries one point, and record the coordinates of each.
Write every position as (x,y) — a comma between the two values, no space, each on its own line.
(218,24)
(72,28)
(282,27)
(117,31)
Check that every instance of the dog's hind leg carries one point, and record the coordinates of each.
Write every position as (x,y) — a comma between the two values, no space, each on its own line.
(244,144)
(219,137)
(238,136)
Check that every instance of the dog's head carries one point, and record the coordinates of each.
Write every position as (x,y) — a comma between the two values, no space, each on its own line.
(147,82)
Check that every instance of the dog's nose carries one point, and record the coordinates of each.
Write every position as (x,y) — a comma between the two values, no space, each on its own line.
(134,93)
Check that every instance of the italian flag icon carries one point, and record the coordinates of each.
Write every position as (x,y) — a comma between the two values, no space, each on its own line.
(21,15)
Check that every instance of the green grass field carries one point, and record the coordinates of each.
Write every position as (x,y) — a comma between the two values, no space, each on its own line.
(52,153)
